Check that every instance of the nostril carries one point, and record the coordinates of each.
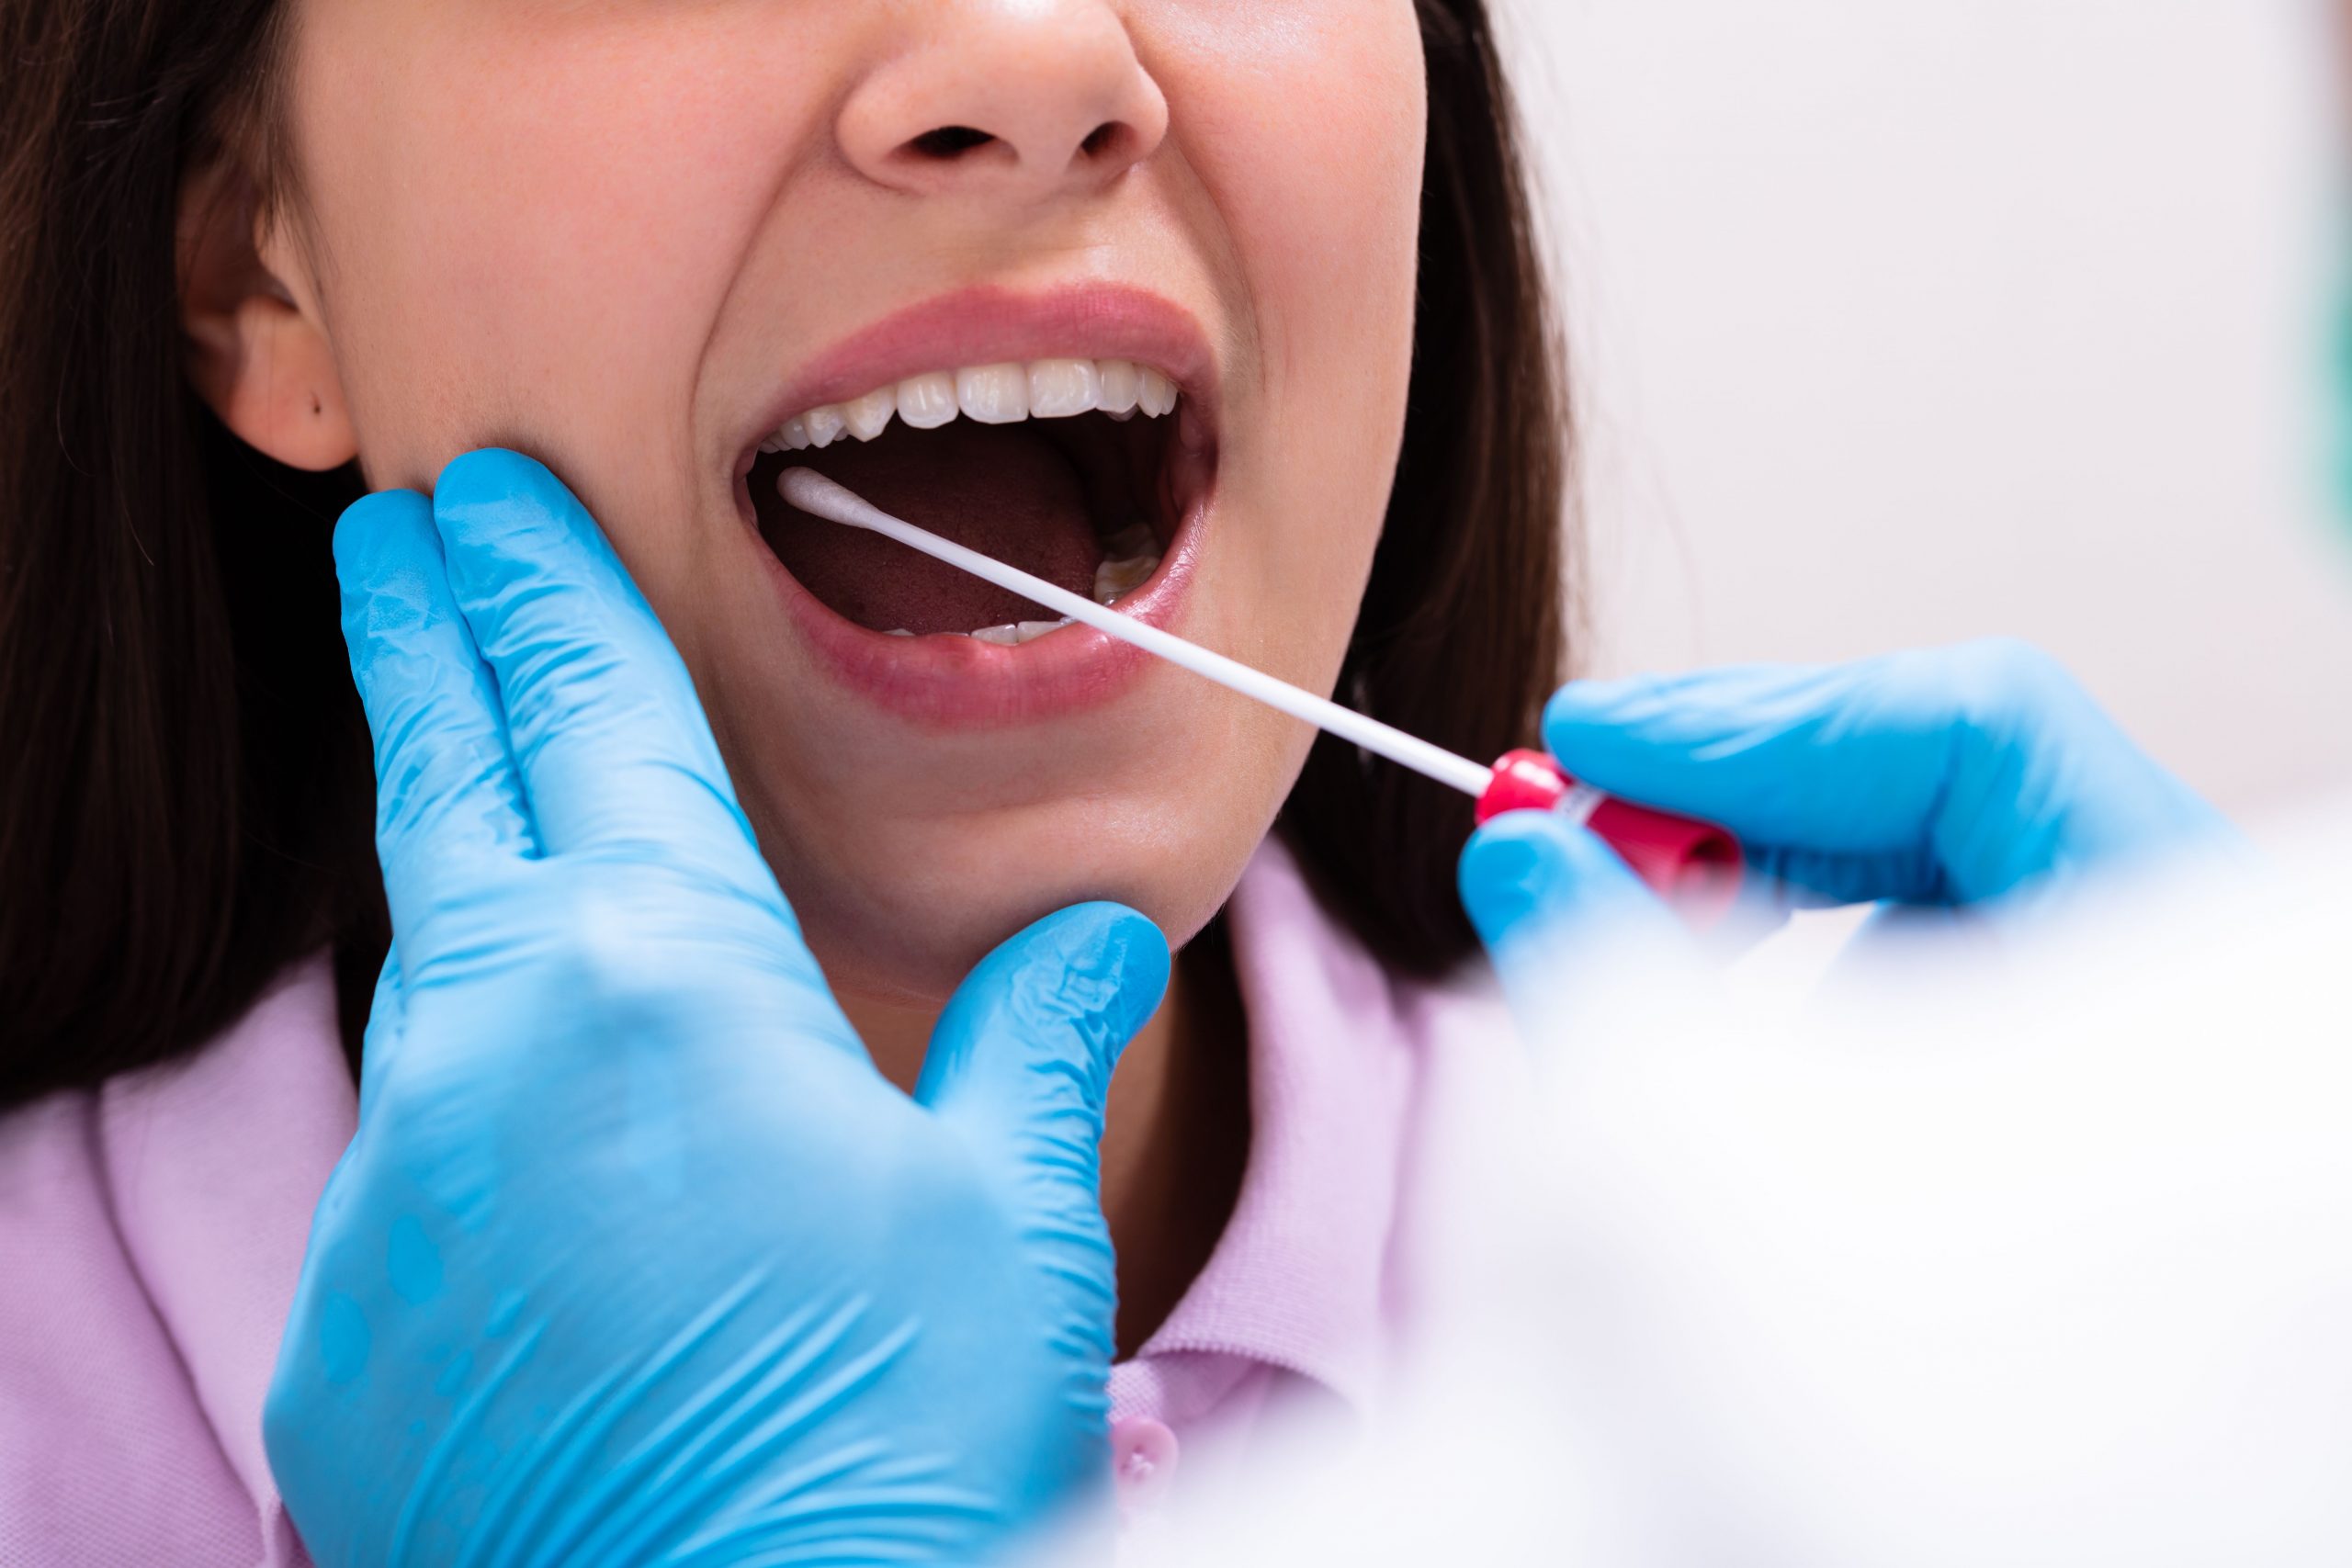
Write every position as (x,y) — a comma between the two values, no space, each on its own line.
(1099,140)
(949,141)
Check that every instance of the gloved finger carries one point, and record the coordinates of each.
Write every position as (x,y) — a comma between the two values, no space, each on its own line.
(1022,1060)
(1840,759)
(1936,776)
(1805,878)
(449,802)
(1556,909)
(612,742)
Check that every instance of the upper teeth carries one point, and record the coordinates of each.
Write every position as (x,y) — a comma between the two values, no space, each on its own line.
(993,394)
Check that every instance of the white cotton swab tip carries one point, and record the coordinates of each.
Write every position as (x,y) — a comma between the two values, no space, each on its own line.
(814,493)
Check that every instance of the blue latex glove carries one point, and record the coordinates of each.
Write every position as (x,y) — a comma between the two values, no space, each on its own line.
(1946,777)
(635,1259)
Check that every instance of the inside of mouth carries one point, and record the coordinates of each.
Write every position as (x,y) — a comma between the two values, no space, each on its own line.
(1081,502)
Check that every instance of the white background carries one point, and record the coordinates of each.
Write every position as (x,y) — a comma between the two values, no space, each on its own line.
(1899,322)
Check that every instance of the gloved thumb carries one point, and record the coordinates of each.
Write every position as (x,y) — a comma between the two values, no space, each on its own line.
(1556,908)
(1022,1060)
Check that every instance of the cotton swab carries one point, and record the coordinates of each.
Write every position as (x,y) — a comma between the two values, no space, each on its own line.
(814,493)
(1689,860)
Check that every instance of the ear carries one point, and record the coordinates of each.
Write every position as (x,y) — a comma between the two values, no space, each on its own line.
(257,350)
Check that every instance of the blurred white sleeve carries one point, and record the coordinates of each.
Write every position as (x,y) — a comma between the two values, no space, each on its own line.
(2037,1251)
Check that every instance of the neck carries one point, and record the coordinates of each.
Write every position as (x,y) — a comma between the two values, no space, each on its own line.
(1176,1130)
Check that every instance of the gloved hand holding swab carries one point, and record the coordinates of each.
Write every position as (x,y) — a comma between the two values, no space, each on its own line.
(1696,865)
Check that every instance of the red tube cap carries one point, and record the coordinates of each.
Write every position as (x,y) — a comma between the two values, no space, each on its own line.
(1694,865)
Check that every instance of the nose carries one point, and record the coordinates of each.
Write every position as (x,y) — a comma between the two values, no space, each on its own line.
(1018,99)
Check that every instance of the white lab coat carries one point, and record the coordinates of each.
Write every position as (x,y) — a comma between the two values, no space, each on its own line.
(2033,1249)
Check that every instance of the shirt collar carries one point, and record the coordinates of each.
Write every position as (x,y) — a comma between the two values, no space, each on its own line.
(1299,1281)
(213,1163)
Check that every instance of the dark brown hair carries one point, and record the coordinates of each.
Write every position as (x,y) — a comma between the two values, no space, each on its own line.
(1463,632)
(185,806)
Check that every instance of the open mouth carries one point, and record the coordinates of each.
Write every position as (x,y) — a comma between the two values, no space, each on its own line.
(1081,471)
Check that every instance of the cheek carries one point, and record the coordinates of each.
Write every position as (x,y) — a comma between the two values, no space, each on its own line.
(1310,127)
(509,254)
(1306,123)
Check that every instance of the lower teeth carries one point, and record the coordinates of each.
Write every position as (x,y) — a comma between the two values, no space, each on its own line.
(1010,635)
(1125,575)
(1131,557)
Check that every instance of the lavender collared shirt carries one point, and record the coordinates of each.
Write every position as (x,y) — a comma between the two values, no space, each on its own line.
(151,1232)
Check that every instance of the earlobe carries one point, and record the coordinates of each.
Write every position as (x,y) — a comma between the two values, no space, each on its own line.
(254,353)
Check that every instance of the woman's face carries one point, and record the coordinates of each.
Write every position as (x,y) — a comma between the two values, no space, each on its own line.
(639,239)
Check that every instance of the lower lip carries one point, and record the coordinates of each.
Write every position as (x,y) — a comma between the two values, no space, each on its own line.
(961,683)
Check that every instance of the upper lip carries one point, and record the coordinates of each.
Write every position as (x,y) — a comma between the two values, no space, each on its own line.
(994,325)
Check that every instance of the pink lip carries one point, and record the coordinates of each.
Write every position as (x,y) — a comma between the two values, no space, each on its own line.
(956,683)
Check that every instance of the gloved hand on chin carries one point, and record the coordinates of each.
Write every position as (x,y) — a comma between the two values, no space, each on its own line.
(635,1257)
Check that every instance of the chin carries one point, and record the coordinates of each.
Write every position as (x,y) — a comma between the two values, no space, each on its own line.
(911,938)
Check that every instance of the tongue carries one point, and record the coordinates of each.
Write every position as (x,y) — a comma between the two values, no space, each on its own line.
(1001,490)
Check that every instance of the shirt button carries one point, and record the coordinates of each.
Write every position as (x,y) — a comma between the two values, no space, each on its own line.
(1143,1456)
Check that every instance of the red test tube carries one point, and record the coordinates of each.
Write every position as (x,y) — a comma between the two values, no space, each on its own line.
(1693,865)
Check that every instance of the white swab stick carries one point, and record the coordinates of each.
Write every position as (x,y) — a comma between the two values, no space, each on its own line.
(814,493)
